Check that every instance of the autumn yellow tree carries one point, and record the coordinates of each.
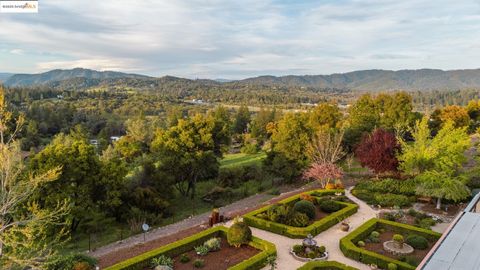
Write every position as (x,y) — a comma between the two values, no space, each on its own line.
(25,238)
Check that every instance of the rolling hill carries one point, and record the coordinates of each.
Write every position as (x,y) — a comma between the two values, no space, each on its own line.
(61,75)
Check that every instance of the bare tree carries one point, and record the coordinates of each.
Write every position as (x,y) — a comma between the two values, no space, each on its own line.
(326,146)
(24,239)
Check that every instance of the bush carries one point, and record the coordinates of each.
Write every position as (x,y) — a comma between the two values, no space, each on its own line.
(297,248)
(425,223)
(388,199)
(360,243)
(417,241)
(392,266)
(212,244)
(184,258)
(69,261)
(298,220)
(329,206)
(305,207)
(375,234)
(307,197)
(202,250)
(390,216)
(82,266)
(397,238)
(322,249)
(162,260)
(312,255)
(238,234)
(199,263)
(250,148)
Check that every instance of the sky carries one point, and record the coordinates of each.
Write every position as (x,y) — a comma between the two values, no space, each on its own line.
(241,38)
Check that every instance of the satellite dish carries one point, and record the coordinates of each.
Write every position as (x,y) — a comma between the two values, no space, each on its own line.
(145,227)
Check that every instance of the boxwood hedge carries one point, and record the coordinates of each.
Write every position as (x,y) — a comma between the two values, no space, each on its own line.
(350,250)
(302,232)
(179,247)
(326,265)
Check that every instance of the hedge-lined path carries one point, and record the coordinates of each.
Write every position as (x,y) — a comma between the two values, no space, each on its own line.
(134,245)
(329,238)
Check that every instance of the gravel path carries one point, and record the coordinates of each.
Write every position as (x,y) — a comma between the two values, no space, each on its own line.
(237,208)
(329,238)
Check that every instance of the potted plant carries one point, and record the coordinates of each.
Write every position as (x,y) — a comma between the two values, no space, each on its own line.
(345,226)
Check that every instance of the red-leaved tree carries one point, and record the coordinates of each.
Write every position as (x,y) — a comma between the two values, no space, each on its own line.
(323,173)
(377,151)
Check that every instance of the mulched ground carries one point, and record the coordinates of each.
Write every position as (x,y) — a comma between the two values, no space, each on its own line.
(452,210)
(226,257)
(387,236)
(126,253)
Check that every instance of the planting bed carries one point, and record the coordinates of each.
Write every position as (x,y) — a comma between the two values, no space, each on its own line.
(319,221)
(251,256)
(222,259)
(328,265)
(372,252)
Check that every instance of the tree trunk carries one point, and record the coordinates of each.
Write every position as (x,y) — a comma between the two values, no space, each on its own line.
(439,203)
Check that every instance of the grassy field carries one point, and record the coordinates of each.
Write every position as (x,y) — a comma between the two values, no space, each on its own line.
(240,159)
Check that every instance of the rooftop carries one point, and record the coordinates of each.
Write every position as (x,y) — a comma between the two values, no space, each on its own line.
(458,248)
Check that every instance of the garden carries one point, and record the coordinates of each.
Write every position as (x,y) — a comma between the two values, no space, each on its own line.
(304,214)
(388,245)
(215,248)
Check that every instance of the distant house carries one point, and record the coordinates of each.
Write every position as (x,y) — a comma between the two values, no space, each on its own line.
(114,138)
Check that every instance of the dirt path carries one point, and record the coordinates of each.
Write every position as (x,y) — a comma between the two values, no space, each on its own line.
(133,246)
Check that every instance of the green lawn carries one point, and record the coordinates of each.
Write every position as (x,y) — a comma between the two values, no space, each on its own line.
(240,159)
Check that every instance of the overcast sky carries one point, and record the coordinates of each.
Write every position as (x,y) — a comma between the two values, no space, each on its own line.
(241,38)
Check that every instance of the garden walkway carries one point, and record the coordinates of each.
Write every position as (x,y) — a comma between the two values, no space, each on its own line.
(237,208)
(329,238)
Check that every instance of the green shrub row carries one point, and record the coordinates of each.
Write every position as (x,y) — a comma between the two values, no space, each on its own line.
(181,246)
(326,265)
(395,186)
(301,232)
(350,250)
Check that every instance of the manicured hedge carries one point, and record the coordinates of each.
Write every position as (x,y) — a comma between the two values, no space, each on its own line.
(302,232)
(327,265)
(187,244)
(349,249)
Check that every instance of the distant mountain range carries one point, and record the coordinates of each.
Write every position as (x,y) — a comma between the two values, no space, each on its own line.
(60,75)
(370,80)
(5,76)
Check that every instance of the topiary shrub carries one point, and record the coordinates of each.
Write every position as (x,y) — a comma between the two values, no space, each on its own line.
(398,238)
(392,266)
(298,220)
(417,241)
(239,233)
(298,248)
(306,207)
(329,206)
(360,244)
(375,234)
(322,249)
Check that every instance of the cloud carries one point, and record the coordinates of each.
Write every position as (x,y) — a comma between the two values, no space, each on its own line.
(234,39)
(17,51)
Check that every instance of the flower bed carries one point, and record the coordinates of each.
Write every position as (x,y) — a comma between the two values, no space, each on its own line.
(355,246)
(329,265)
(317,226)
(176,250)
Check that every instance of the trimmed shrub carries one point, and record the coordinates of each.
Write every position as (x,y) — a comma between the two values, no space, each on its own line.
(417,241)
(297,248)
(305,207)
(329,206)
(327,265)
(398,238)
(375,234)
(239,234)
(298,220)
(392,266)
(361,243)
(322,249)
